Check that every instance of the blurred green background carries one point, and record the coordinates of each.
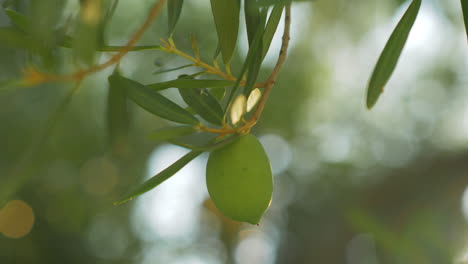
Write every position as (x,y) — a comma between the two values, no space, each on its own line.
(352,186)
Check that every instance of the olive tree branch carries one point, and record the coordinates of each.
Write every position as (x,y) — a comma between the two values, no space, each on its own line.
(268,85)
(34,77)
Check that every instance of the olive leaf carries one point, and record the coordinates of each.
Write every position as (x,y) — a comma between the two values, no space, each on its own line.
(20,20)
(464,5)
(174,8)
(160,177)
(204,104)
(117,112)
(157,104)
(389,57)
(184,83)
(271,27)
(253,18)
(166,133)
(226,17)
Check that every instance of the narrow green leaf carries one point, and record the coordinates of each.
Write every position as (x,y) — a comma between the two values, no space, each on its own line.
(219,93)
(204,104)
(464,4)
(256,44)
(173,69)
(174,7)
(189,84)
(166,133)
(161,177)
(226,17)
(20,20)
(257,59)
(213,145)
(271,27)
(252,18)
(67,42)
(389,57)
(157,104)
(117,113)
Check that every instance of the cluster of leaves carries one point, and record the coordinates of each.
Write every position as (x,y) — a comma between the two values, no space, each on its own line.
(223,107)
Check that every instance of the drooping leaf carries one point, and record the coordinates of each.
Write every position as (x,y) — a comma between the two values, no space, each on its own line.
(204,104)
(257,57)
(252,18)
(157,104)
(20,20)
(464,4)
(117,113)
(253,49)
(161,177)
(166,133)
(271,27)
(389,57)
(189,84)
(174,7)
(226,17)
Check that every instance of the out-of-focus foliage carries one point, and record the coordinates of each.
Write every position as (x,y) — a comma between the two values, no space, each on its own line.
(350,185)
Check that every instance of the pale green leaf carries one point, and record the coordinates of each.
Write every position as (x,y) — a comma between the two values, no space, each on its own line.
(161,177)
(389,57)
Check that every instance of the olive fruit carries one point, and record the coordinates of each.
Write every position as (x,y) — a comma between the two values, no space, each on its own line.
(239,179)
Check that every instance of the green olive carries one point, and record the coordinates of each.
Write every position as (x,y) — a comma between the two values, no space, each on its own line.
(239,179)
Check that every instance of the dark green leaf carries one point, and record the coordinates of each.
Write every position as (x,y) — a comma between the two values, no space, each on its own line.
(391,53)
(20,20)
(189,84)
(253,49)
(226,17)
(219,93)
(174,7)
(271,27)
(254,67)
(214,144)
(117,113)
(204,104)
(166,133)
(68,41)
(273,2)
(464,4)
(173,69)
(252,18)
(157,104)
(14,38)
(161,177)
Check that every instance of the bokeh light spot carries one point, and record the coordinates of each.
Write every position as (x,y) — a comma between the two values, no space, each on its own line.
(16,219)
